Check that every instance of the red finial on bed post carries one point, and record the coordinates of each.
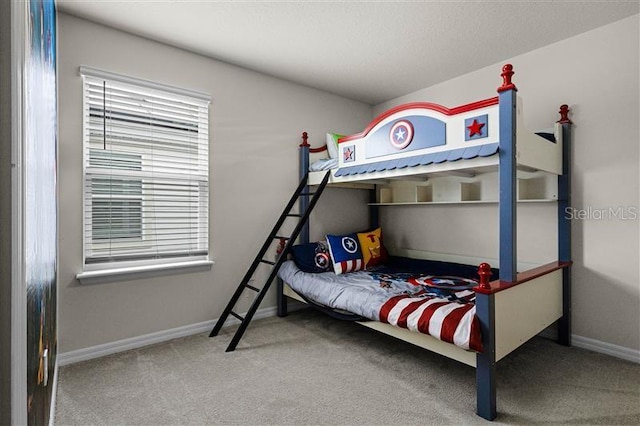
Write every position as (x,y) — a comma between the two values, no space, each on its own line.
(281,245)
(484,271)
(507,73)
(304,139)
(564,114)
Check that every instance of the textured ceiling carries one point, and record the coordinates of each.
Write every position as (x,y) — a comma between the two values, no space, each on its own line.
(371,51)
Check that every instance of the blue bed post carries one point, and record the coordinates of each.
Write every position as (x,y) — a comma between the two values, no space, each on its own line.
(304,199)
(485,302)
(507,177)
(304,233)
(564,227)
(486,361)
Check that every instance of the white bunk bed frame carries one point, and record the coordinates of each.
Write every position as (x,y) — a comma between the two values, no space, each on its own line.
(507,153)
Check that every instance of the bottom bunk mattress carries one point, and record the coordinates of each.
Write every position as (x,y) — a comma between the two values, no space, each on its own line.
(429,297)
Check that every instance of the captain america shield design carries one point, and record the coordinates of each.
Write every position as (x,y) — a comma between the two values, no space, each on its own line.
(349,245)
(321,260)
(401,134)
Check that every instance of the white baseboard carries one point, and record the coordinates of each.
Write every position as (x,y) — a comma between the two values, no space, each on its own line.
(594,345)
(105,349)
(622,352)
(54,392)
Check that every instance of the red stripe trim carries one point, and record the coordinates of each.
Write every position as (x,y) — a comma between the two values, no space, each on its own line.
(451,322)
(319,149)
(423,322)
(346,266)
(475,340)
(421,105)
(388,306)
(408,310)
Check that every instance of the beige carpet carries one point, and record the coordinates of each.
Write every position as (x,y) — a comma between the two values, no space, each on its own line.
(311,369)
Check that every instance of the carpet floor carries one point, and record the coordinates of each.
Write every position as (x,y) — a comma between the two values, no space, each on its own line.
(310,369)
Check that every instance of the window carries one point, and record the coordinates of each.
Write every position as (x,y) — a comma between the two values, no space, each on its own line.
(116,204)
(146,172)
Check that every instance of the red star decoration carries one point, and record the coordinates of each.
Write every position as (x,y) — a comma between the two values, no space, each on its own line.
(475,128)
(348,154)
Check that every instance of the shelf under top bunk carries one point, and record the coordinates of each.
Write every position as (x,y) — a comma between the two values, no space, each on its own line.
(384,172)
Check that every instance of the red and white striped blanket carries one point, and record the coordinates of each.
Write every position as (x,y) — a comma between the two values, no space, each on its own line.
(417,302)
(451,322)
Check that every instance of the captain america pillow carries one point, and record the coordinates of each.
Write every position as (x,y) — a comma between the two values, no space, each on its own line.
(346,253)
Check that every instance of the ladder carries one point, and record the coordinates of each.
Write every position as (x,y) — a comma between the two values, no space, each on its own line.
(303,216)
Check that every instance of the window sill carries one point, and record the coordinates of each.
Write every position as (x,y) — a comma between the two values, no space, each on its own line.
(137,272)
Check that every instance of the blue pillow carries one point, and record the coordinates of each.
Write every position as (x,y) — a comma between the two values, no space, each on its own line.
(311,257)
(346,253)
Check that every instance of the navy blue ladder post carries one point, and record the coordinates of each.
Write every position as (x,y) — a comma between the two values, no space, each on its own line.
(282,307)
(260,258)
(485,302)
(281,300)
(564,227)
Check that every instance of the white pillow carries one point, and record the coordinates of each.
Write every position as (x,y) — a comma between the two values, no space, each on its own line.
(332,144)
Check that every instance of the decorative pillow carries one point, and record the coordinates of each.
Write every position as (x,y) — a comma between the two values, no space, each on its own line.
(332,144)
(373,251)
(345,252)
(312,257)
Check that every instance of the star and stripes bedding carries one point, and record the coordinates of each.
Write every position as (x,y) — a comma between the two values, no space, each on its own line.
(402,295)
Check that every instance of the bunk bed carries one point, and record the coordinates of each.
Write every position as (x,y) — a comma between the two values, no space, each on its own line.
(479,152)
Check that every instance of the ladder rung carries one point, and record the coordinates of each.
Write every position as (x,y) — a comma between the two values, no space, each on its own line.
(250,287)
(267,261)
(294,215)
(241,318)
(307,193)
(278,237)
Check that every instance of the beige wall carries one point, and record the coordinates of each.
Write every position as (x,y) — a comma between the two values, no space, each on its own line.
(256,121)
(596,73)
(5,213)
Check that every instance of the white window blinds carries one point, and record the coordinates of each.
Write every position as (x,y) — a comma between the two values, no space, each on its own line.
(146,171)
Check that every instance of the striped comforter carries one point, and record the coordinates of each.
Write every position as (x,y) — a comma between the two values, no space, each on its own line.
(406,300)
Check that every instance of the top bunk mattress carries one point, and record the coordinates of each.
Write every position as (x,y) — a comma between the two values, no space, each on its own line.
(428,297)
